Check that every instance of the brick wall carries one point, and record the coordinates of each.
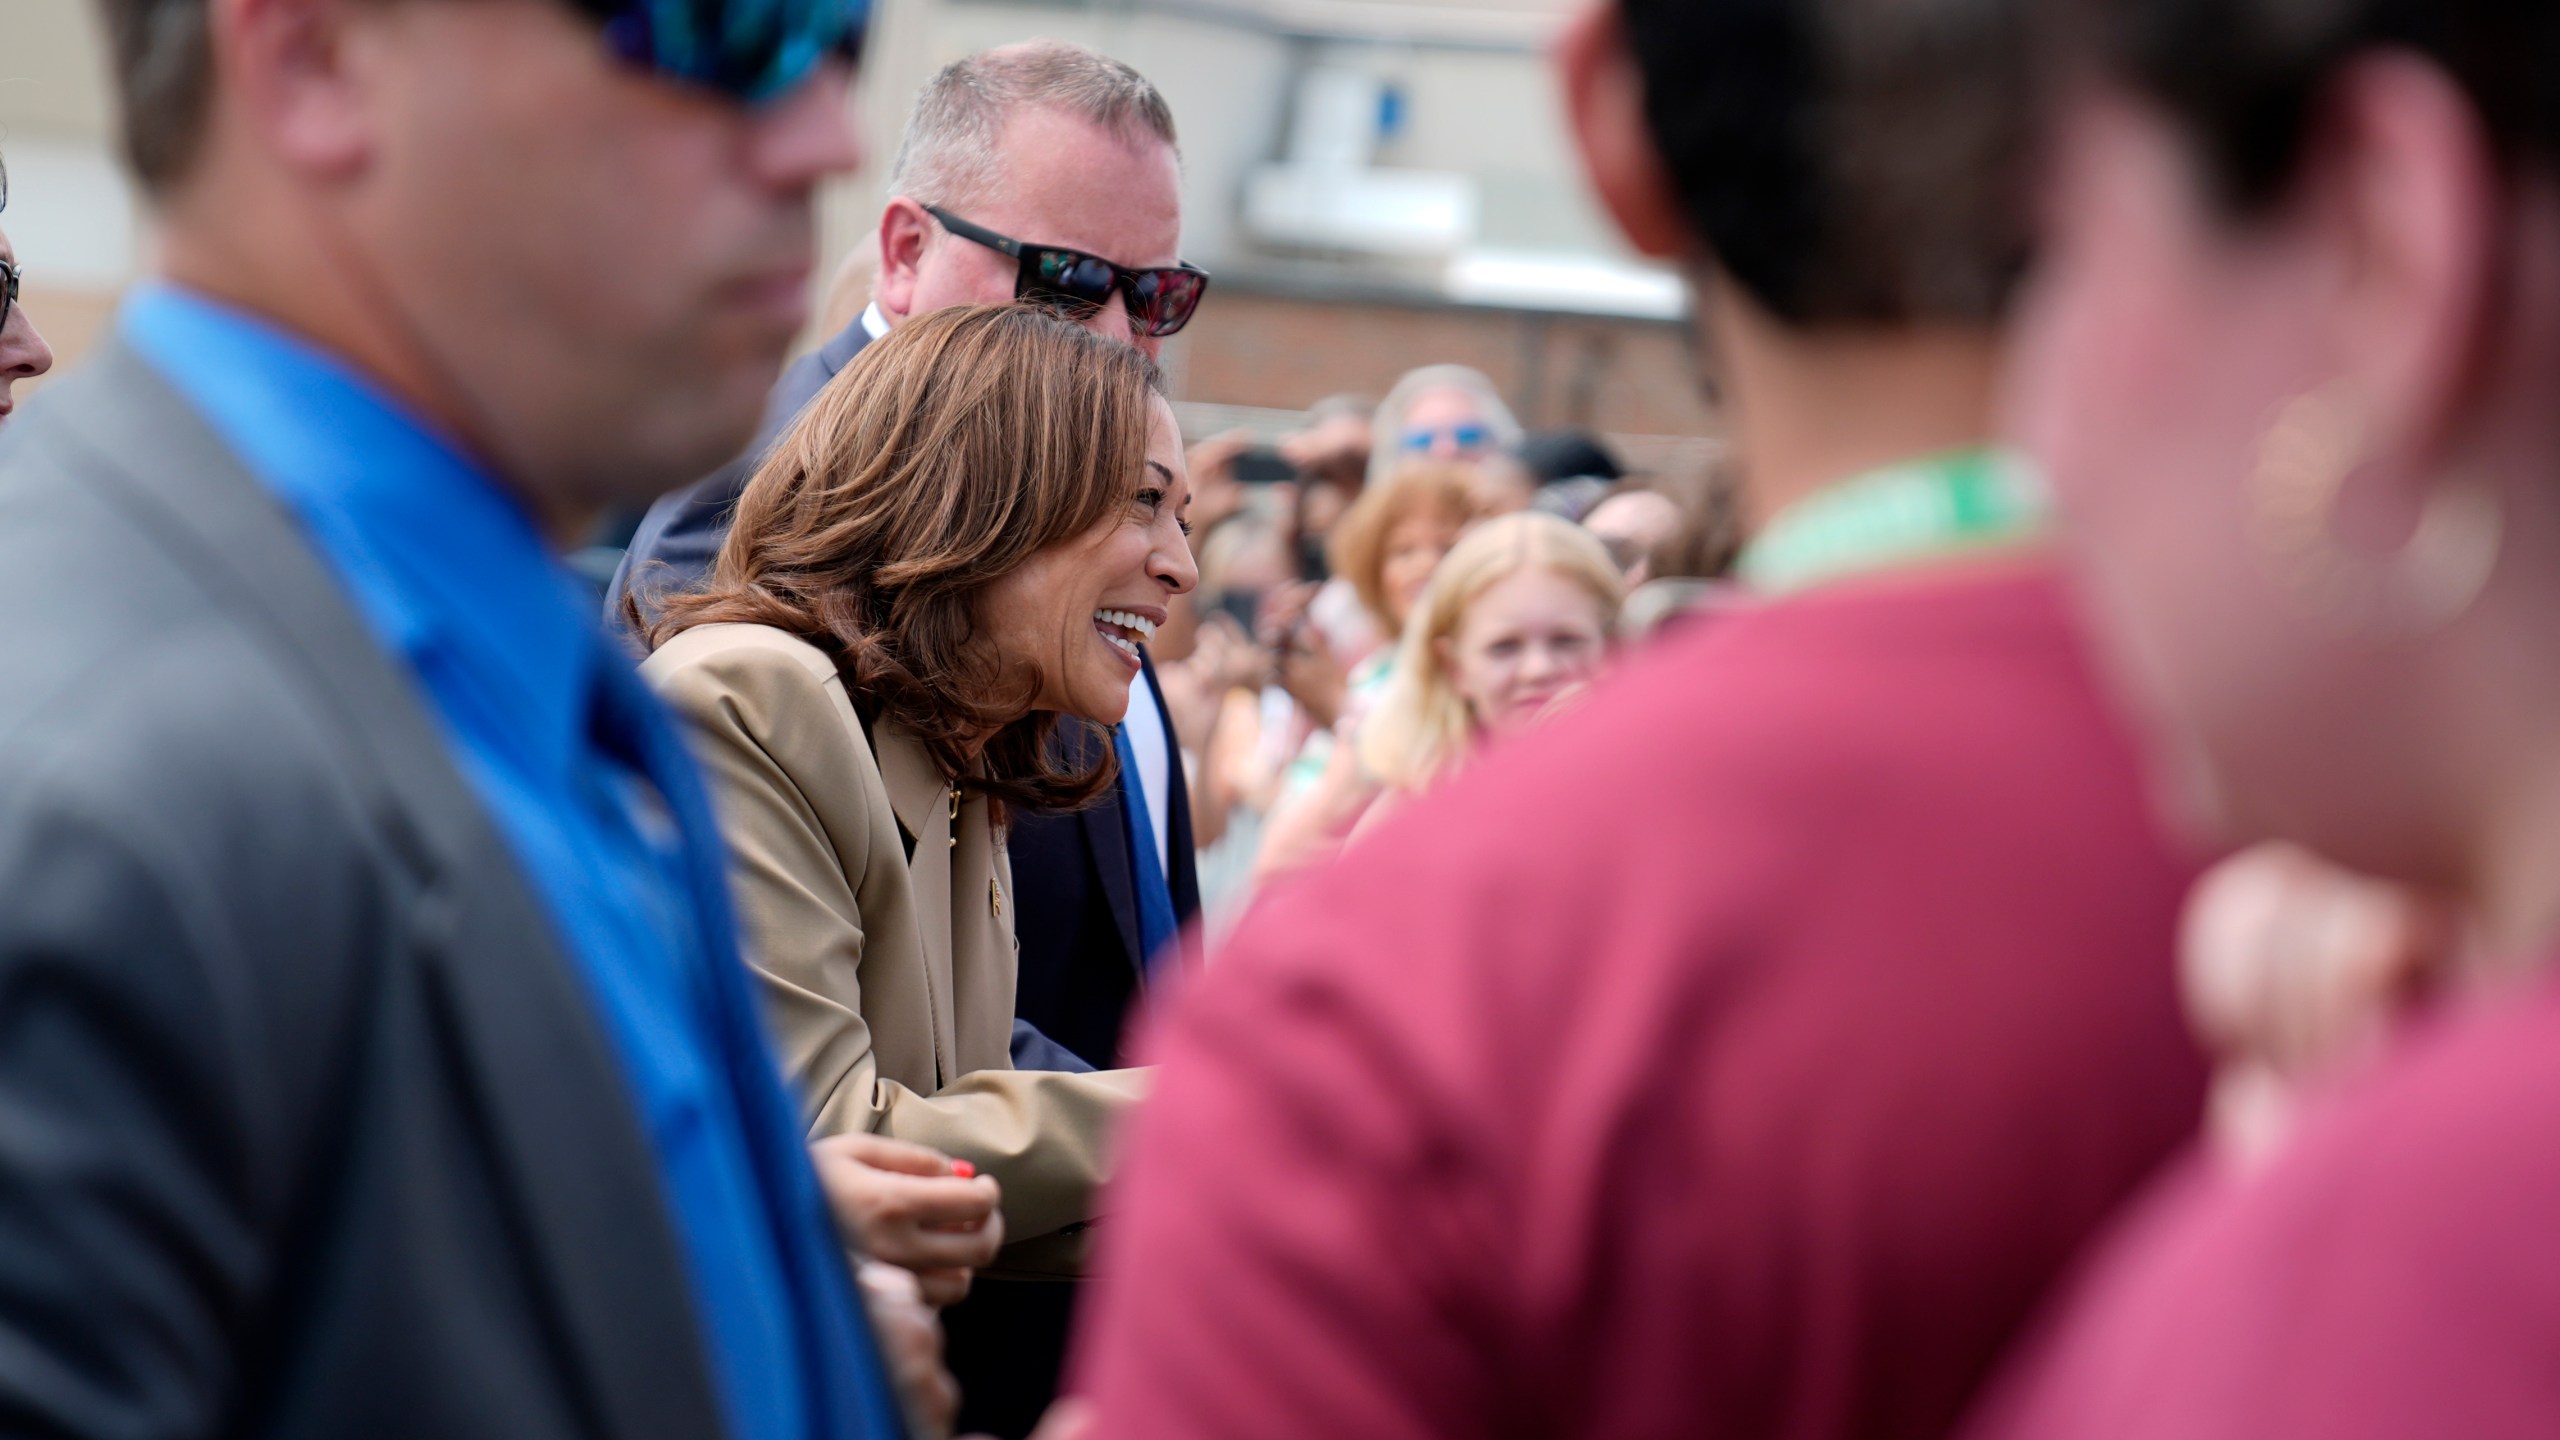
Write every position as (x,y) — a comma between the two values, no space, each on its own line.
(1632,377)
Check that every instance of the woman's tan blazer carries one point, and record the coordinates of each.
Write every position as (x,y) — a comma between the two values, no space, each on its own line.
(889,982)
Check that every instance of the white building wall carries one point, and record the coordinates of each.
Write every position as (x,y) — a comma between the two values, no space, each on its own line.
(73,218)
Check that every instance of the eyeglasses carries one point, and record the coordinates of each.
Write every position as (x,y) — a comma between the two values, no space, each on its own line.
(1467,435)
(8,291)
(749,50)
(1161,301)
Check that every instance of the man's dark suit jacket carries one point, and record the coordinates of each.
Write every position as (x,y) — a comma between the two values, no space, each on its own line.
(1081,962)
(1077,907)
(307,1125)
(1080,973)
(681,533)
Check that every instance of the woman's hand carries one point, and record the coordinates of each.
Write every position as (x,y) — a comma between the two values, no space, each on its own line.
(912,1207)
(910,1336)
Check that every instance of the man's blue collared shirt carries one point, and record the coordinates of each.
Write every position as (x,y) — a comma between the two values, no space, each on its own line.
(587,782)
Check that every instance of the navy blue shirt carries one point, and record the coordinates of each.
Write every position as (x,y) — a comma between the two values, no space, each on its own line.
(589,785)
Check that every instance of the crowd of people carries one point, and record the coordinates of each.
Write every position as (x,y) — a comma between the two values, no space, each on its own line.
(2011,910)
(1319,599)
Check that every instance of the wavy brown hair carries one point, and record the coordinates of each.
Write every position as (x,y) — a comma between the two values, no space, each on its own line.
(941,459)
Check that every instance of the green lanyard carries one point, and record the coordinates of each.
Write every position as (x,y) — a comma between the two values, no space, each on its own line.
(1963,500)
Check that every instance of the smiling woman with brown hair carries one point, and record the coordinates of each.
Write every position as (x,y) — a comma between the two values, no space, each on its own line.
(963,538)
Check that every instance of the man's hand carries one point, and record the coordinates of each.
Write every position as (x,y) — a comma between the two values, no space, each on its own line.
(911,1346)
(912,1207)
(1334,453)
(1195,688)
(1305,664)
(1216,493)
(2295,971)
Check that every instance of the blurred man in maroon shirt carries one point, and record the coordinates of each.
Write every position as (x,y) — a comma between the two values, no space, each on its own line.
(1747,1053)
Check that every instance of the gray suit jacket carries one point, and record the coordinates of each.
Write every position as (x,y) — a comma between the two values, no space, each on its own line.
(306,1126)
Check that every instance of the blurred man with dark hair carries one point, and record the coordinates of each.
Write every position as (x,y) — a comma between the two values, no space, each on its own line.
(1747,1053)
(376,1057)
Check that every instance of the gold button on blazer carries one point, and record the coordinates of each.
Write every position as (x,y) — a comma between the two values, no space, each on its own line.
(888,980)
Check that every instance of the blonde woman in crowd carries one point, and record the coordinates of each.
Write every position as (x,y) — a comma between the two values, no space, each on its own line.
(1515,623)
(1385,550)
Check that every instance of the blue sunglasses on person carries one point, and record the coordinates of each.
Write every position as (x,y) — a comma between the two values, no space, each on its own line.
(752,51)
(1468,435)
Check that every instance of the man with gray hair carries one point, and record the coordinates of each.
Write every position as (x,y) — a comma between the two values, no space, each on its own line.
(1042,145)
(1043,171)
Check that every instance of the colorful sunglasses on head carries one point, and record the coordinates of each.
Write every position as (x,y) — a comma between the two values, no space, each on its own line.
(749,50)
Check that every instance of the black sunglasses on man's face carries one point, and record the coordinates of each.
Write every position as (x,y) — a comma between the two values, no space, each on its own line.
(1161,301)
(8,292)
